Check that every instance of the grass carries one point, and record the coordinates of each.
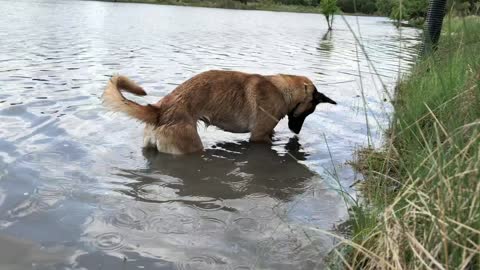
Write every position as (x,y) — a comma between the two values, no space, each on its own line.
(268,5)
(420,206)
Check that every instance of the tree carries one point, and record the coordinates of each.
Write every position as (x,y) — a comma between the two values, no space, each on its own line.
(399,12)
(357,6)
(384,7)
(329,7)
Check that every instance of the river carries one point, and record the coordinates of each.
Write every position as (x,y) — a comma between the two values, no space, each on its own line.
(77,191)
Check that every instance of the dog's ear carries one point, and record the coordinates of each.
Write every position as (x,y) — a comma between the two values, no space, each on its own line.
(321,98)
(309,89)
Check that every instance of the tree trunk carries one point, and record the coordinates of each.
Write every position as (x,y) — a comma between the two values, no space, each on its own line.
(328,22)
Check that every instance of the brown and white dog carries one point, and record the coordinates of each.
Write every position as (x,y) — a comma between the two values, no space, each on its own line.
(230,100)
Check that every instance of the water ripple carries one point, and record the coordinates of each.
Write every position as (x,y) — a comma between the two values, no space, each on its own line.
(262,212)
(280,248)
(131,218)
(211,225)
(109,241)
(200,262)
(172,224)
(74,220)
(246,224)
(208,206)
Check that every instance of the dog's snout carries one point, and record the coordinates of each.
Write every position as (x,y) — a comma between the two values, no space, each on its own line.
(321,98)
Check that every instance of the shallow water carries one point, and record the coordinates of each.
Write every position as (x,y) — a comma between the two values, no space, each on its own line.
(76,188)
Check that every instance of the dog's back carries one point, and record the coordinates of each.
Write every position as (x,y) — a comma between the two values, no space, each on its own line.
(226,99)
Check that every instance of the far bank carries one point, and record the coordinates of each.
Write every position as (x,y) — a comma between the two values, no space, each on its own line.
(230,4)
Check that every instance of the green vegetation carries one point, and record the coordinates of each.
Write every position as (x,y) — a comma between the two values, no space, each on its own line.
(329,8)
(412,10)
(421,195)
(231,4)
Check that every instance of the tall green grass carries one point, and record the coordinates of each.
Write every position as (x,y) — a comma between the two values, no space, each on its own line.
(421,195)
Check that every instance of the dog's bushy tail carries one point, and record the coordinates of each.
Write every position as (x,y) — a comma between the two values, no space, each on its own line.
(115,101)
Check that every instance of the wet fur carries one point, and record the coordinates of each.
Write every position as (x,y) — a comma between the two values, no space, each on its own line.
(233,101)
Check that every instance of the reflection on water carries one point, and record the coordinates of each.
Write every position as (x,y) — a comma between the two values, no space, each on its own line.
(231,170)
(223,207)
(76,189)
(325,45)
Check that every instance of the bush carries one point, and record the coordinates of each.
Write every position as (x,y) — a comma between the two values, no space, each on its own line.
(464,7)
(384,6)
(358,6)
(399,11)
(416,8)
(293,2)
(329,7)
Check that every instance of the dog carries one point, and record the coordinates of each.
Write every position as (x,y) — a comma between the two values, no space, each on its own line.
(230,100)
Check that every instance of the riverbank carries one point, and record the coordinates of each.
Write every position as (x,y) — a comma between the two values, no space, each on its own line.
(421,194)
(229,4)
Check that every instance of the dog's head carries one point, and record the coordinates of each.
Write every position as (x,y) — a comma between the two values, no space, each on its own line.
(305,98)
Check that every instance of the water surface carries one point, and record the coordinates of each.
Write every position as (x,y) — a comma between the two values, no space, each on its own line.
(77,191)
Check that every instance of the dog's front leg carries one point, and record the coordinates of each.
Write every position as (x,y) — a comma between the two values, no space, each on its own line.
(266,138)
(262,132)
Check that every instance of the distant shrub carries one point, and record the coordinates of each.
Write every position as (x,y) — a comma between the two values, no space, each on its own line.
(384,6)
(294,2)
(329,8)
(359,6)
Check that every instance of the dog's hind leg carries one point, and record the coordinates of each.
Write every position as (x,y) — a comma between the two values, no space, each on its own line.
(187,139)
(149,140)
(178,139)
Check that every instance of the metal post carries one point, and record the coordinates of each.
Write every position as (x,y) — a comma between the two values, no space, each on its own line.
(433,26)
